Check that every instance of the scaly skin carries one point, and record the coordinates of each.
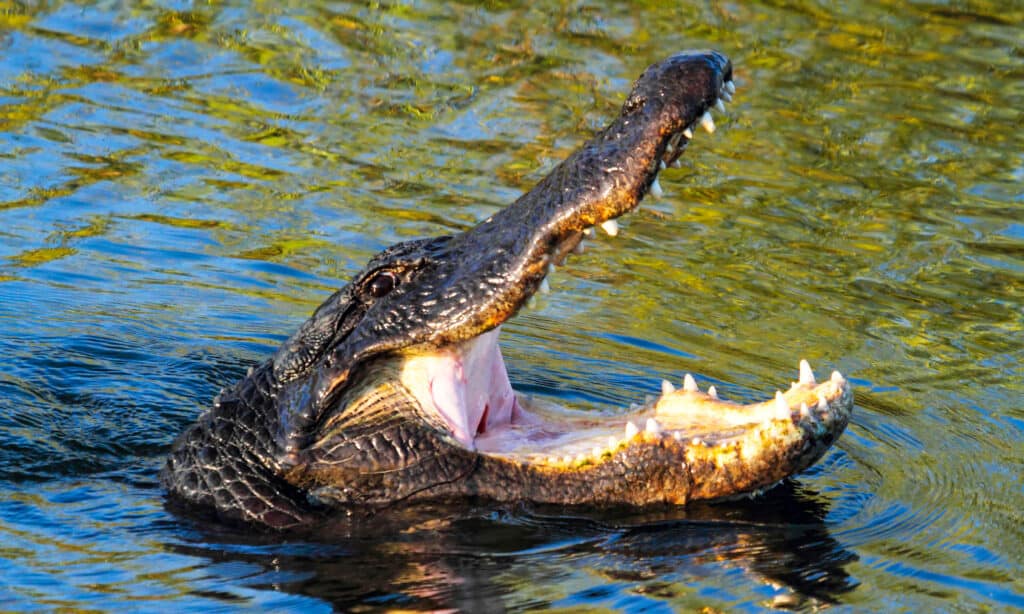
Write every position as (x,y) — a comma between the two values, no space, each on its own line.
(354,412)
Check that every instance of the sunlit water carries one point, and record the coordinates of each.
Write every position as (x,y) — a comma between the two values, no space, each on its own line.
(180,186)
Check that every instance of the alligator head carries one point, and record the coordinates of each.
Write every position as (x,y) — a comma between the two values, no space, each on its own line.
(395,389)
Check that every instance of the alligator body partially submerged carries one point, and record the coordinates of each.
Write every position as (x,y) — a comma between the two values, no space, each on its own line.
(394,391)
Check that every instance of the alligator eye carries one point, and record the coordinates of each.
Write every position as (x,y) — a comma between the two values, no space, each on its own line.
(383,283)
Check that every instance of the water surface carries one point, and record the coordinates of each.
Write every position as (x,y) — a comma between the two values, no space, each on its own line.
(181,185)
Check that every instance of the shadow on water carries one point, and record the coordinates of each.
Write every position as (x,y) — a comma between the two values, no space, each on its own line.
(472,559)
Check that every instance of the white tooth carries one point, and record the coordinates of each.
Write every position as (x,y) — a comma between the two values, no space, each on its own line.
(588,232)
(688,134)
(822,403)
(690,384)
(806,374)
(612,442)
(707,123)
(631,430)
(720,105)
(726,96)
(578,249)
(669,148)
(551,268)
(696,441)
(581,458)
(656,188)
(552,460)
(611,227)
(544,286)
(713,392)
(838,379)
(781,406)
(804,411)
(730,87)
(677,435)
(661,165)
(677,164)
(653,427)
(567,460)
(667,387)
(634,406)
(597,452)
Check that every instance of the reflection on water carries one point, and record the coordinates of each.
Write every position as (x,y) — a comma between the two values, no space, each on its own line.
(180,186)
(439,558)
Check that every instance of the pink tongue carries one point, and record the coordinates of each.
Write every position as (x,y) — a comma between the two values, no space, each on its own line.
(448,393)
(469,384)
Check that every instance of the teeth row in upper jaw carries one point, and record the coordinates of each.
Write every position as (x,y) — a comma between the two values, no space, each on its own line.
(611,227)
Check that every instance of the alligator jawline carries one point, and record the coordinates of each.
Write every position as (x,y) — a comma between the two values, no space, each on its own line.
(466,387)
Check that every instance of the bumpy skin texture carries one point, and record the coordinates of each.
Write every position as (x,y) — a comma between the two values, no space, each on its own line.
(325,423)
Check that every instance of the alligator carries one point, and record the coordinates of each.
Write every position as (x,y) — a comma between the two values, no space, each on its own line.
(394,392)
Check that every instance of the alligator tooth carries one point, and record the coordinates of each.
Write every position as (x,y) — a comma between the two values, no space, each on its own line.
(612,442)
(806,374)
(726,96)
(667,387)
(688,134)
(581,458)
(720,105)
(567,459)
(690,384)
(611,227)
(669,148)
(661,165)
(781,406)
(730,86)
(578,248)
(249,371)
(634,406)
(656,187)
(552,460)
(677,435)
(707,123)
(588,232)
(713,392)
(697,441)
(676,163)
(804,411)
(653,427)
(837,378)
(597,452)
(822,402)
(631,430)
(545,287)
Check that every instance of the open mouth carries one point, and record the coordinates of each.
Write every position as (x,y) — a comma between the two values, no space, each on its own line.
(466,387)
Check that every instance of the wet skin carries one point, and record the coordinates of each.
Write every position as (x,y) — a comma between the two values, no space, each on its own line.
(395,391)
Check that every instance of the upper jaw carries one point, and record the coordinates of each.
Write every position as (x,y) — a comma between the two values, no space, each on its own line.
(605,178)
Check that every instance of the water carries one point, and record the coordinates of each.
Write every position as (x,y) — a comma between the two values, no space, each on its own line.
(181,185)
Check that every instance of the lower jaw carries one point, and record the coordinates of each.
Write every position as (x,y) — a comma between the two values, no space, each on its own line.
(543,443)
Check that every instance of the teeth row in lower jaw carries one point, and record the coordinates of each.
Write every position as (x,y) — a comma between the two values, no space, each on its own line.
(653,428)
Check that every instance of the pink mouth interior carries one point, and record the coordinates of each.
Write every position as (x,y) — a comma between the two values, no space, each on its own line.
(467,385)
